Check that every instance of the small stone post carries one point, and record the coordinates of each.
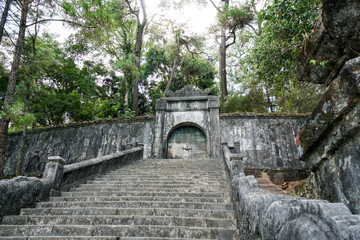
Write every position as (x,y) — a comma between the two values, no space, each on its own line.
(54,170)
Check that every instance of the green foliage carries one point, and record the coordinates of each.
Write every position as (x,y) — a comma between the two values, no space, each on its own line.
(17,116)
(235,17)
(282,35)
(4,76)
(253,101)
(271,59)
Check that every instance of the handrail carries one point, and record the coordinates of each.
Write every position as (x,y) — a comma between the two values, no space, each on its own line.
(93,161)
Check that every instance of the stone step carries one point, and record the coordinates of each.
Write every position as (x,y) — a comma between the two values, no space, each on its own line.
(120,231)
(157,181)
(172,212)
(90,237)
(119,220)
(151,185)
(141,198)
(134,189)
(200,170)
(137,204)
(159,178)
(181,172)
(146,194)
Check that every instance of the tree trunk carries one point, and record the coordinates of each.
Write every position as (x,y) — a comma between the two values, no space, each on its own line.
(222,64)
(172,72)
(222,68)
(27,103)
(4,17)
(24,134)
(139,43)
(171,76)
(10,92)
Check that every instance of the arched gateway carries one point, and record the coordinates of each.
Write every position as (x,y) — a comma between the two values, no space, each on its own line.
(186,142)
(187,125)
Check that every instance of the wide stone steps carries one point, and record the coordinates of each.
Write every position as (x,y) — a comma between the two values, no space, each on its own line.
(200,213)
(141,198)
(119,220)
(149,199)
(146,194)
(118,230)
(137,204)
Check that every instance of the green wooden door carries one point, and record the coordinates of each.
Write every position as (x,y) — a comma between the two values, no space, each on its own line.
(187,142)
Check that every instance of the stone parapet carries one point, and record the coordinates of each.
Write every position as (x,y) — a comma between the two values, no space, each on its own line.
(262,215)
(22,192)
(80,172)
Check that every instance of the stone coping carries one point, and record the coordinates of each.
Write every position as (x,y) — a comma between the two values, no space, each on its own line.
(262,115)
(94,161)
(81,124)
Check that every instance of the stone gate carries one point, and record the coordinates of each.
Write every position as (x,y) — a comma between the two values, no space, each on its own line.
(176,114)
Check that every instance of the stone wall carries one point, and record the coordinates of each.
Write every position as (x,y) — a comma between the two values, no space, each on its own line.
(266,141)
(79,142)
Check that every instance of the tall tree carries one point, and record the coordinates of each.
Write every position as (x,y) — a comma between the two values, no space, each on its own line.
(10,92)
(231,18)
(141,19)
(4,18)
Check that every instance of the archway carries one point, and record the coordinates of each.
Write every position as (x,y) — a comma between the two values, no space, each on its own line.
(186,142)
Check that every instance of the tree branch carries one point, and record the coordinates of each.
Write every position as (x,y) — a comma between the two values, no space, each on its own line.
(58,20)
(232,35)
(212,2)
(256,32)
(136,13)
(9,37)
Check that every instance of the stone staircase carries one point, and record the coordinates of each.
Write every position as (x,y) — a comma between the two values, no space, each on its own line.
(149,199)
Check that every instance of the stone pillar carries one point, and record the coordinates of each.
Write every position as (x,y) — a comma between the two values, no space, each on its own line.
(54,170)
(215,145)
(159,128)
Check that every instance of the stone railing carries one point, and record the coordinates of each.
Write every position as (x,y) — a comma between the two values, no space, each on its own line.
(82,171)
(22,192)
(262,215)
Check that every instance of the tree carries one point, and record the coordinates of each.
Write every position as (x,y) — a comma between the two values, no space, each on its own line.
(116,28)
(4,18)
(176,64)
(141,24)
(231,18)
(10,92)
(266,59)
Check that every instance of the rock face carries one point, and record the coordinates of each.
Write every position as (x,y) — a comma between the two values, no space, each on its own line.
(334,40)
(329,141)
